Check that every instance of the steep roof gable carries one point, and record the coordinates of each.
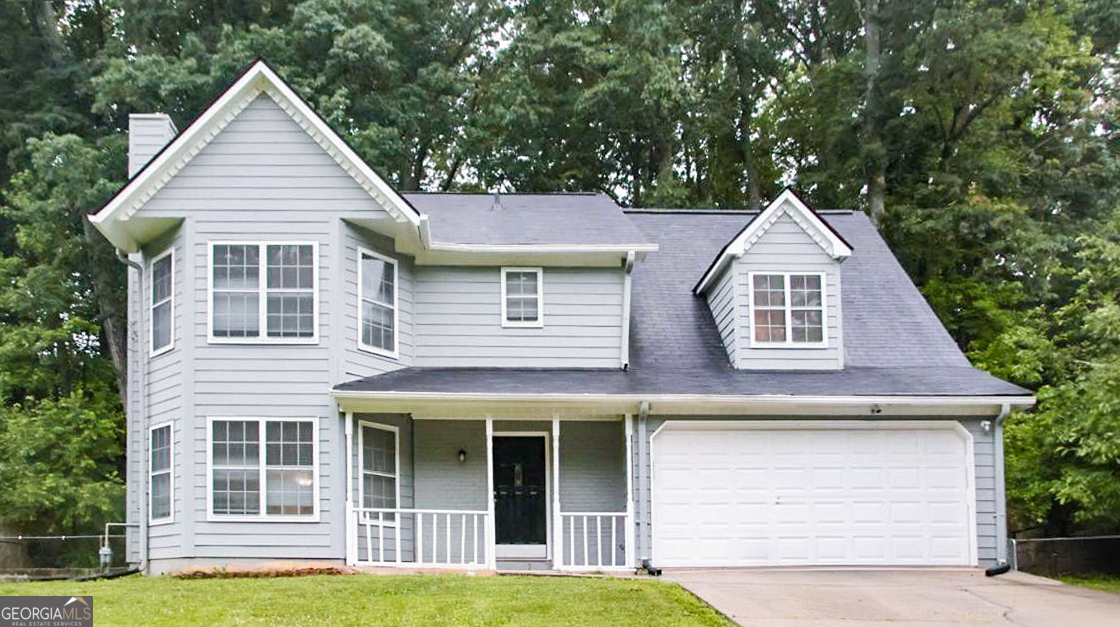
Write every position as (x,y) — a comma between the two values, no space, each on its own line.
(113,219)
(787,203)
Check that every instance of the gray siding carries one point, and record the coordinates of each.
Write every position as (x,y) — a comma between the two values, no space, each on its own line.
(983,451)
(261,179)
(721,301)
(458,319)
(786,247)
(148,133)
(357,363)
(406,485)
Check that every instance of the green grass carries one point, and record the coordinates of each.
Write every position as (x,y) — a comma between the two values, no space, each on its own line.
(365,600)
(1108,583)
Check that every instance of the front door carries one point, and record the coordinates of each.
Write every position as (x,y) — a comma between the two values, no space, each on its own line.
(520,496)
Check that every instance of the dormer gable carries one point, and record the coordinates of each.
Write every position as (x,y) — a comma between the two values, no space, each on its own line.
(774,290)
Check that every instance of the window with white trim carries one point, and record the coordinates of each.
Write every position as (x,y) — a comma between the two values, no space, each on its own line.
(263,468)
(522,297)
(377,303)
(788,309)
(280,276)
(162,274)
(380,466)
(161,459)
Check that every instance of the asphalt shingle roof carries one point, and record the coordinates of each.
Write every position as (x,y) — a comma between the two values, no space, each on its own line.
(570,218)
(894,345)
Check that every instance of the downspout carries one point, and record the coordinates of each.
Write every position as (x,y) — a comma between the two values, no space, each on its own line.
(624,350)
(646,535)
(142,408)
(1002,565)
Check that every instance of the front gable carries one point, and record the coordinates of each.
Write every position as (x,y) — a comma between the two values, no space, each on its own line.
(120,220)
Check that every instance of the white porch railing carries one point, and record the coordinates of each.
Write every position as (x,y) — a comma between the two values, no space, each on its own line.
(430,538)
(593,541)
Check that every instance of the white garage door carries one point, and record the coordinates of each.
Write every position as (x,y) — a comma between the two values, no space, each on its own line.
(787,494)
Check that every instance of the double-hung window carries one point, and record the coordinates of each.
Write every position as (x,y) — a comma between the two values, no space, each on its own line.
(522,297)
(264,292)
(163,302)
(161,482)
(263,468)
(788,309)
(377,303)
(380,468)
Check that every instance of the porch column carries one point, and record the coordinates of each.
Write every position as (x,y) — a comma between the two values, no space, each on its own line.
(557,521)
(491,535)
(629,548)
(351,522)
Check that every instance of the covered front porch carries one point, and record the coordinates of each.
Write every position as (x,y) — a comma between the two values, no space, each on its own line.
(499,493)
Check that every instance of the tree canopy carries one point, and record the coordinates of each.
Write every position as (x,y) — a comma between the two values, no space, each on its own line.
(980,135)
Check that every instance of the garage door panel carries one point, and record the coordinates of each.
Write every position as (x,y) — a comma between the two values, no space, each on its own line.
(811,496)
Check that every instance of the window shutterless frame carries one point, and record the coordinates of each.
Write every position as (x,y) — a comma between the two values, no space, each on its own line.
(789,309)
(539,322)
(263,292)
(170,252)
(262,469)
(377,350)
(170,472)
(362,470)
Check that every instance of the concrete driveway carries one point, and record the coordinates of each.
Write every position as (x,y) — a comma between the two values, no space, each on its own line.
(819,598)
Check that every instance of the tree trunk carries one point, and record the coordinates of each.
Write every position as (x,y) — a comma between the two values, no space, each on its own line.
(874,152)
(114,322)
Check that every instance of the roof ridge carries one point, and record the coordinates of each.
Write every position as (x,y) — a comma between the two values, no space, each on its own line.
(465,193)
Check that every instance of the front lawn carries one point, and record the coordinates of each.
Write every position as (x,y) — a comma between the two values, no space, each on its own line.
(1108,583)
(364,600)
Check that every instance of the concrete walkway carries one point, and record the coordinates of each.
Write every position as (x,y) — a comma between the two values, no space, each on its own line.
(927,597)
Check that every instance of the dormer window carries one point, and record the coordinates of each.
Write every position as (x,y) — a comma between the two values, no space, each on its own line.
(522,303)
(787,310)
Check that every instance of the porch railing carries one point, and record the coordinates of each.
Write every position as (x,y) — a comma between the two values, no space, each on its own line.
(593,541)
(419,537)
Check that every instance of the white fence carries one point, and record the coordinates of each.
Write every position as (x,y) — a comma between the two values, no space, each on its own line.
(593,541)
(420,537)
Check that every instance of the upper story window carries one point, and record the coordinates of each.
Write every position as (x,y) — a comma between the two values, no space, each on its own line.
(161,491)
(522,297)
(377,303)
(163,302)
(787,309)
(263,468)
(264,292)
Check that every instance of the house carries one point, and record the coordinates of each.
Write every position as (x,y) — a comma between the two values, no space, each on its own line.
(324,368)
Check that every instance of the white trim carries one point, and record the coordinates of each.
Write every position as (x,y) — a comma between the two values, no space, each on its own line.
(824,236)
(258,79)
(714,399)
(788,308)
(362,466)
(369,348)
(263,291)
(170,518)
(539,322)
(772,425)
(153,352)
(263,516)
(491,533)
(548,548)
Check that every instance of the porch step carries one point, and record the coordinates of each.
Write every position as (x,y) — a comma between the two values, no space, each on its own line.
(524,564)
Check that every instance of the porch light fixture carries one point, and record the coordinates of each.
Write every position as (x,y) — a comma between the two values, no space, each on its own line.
(462,456)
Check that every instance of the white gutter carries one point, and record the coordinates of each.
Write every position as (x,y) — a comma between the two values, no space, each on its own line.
(624,349)
(714,399)
(1001,494)
(541,248)
(142,352)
